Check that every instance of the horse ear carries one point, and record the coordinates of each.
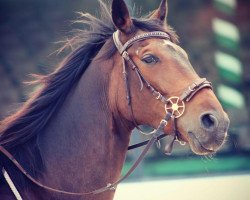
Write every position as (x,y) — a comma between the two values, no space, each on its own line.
(161,13)
(121,17)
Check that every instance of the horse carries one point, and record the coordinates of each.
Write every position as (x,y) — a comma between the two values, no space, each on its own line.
(72,134)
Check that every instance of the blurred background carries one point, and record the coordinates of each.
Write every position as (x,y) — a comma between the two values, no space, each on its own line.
(216,35)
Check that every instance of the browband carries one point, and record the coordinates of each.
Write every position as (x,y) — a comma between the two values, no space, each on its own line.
(121,48)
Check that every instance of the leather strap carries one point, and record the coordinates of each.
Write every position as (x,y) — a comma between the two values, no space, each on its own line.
(121,48)
(134,146)
(25,173)
(152,140)
(110,186)
(155,93)
(11,185)
(194,88)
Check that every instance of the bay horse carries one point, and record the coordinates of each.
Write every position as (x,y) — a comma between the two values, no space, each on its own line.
(73,133)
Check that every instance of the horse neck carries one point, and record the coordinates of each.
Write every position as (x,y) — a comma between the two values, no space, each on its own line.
(85,138)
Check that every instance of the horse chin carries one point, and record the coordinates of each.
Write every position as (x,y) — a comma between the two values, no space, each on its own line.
(197,147)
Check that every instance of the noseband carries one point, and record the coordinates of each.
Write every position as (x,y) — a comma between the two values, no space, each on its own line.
(174,105)
(174,108)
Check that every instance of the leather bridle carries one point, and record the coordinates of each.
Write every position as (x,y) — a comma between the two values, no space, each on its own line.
(173,105)
(174,108)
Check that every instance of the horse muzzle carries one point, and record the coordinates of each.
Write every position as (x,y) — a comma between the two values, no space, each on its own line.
(211,134)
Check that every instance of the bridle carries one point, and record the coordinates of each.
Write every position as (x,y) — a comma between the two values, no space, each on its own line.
(174,105)
(174,108)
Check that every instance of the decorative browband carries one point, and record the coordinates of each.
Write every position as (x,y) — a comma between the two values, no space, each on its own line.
(121,48)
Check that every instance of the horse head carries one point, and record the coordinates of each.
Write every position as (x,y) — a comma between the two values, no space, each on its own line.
(164,65)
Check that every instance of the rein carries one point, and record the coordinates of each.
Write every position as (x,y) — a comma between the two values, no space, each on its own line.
(174,107)
(109,186)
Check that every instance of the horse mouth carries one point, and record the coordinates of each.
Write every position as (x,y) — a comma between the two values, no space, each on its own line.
(197,146)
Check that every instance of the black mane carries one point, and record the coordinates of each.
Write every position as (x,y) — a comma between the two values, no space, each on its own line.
(35,114)
(18,132)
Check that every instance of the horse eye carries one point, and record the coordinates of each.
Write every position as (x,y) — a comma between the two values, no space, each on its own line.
(150,59)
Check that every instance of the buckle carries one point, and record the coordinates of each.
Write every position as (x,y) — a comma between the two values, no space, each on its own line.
(125,55)
(164,122)
(158,96)
(111,187)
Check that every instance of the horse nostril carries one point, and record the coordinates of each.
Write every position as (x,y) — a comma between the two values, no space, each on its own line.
(209,121)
